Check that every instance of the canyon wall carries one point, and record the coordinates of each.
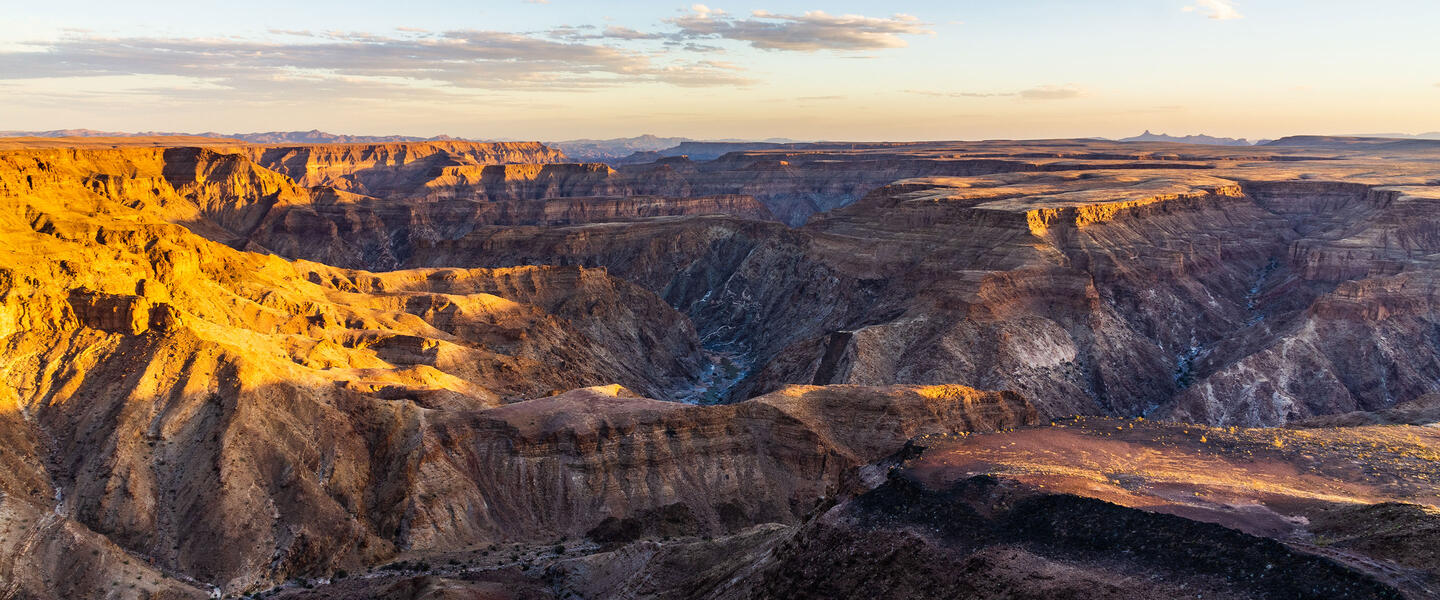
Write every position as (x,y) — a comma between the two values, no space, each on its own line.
(235,366)
(390,170)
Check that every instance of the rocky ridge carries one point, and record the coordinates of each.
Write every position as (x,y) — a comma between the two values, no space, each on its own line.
(238,367)
(1130,287)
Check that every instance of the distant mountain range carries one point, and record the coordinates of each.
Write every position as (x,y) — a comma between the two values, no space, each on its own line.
(314,136)
(1433,135)
(602,150)
(587,150)
(619,148)
(1189,139)
(1412,142)
(1223,141)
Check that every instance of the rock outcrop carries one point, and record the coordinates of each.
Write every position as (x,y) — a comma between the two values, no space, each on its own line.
(394,169)
(234,366)
(1079,508)
(1114,292)
(344,230)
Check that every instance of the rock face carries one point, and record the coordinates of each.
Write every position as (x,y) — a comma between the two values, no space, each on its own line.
(128,269)
(391,170)
(344,230)
(983,539)
(1074,509)
(561,466)
(179,397)
(307,418)
(937,284)
(1093,291)
(233,366)
(793,181)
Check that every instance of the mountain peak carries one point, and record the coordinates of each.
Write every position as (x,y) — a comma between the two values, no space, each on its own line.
(1189,139)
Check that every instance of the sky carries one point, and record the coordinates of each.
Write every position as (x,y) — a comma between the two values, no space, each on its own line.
(810,70)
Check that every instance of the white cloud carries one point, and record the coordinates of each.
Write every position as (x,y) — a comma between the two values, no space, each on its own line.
(458,60)
(704,12)
(611,32)
(1220,10)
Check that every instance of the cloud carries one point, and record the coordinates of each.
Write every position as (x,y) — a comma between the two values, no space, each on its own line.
(1052,92)
(705,12)
(616,32)
(288,65)
(702,75)
(1220,10)
(465,60)
(612,32)
(809,32)
(1044,92)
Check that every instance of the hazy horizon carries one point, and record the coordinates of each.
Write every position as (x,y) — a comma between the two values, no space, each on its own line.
(772,139)
(562,70)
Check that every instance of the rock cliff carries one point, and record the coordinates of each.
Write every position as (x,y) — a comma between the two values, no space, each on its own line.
(394,169)
(475,369)
(1097,291)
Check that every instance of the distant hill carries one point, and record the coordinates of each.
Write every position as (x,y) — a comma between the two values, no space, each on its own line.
(1433,135)
(603,150)
(1370,143)
(314,136)
(614,150)
(1189,139)
(621,149)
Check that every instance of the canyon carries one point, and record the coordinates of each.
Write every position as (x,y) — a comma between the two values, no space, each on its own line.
(448,369)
